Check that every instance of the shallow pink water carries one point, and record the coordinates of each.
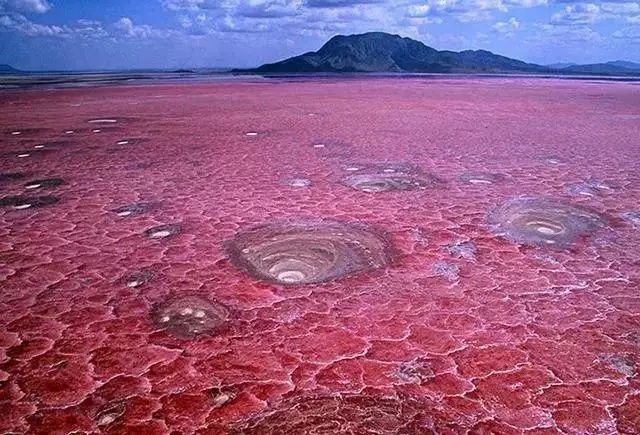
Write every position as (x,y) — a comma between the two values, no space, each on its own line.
(510,339)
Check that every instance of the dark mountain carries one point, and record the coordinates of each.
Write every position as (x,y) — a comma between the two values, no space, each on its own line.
(382,52)
(560,65)
(624,64)
(608,68)
(8,69)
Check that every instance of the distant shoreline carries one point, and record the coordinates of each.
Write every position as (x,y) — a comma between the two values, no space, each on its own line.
(83,80)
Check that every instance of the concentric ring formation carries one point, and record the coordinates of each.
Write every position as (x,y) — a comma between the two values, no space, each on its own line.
(384,182)
(309,252)
(544,222)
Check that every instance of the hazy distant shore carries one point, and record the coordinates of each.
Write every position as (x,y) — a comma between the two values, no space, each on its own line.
(89,79)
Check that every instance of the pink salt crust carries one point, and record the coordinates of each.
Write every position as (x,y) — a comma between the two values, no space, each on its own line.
(515,339)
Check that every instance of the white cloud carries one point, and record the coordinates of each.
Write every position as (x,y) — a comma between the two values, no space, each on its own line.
(563,34)
(507,27)
(579,13)
(127,28)
(629,34)
(268,8)
(19,23)
(193,5)
(462,10)
(587,13)
(526,3)
(25,6)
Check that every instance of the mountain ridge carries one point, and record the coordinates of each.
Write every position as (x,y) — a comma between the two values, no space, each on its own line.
(379,52)
(383,52)
(8,69)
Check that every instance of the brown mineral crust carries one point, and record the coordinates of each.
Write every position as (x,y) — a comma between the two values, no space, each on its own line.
(544,221)
(46,183)
(20,202)
(385,182)
(189,317)
(309,252)
(163,231)
(133,209)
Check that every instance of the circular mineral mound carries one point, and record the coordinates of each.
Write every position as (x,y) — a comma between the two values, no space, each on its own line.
(389,181)
(108,120)
(544,222)
(309,252)
(45,183)
(23,131)
(297,182)
(589,188)
(481,178)
(163,231)
(131,141)
(345,414)
(139,278)
(190,316)
(25,202)
(133,209)
(633,217)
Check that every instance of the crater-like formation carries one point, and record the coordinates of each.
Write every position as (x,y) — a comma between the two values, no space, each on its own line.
(309,252)
(481,177)
(380,167)
(133,209)
(589,188)
(45,183)
(552,160)
(107,120)
(22,131)
(328,142)
(297,182)
(139,278)
(31,153)
(131,141)
(24,202)
(390,181)
(463,249)
(544,222)
(346,414)
(190,317)
(163,231)
(633,217)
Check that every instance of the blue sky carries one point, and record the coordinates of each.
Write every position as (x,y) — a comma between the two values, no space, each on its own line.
(116,34)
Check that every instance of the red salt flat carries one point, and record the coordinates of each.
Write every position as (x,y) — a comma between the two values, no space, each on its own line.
(470,326)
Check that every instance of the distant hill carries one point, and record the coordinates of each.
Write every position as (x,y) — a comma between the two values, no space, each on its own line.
(561,65)
(608,68)
(8,69)
(382,52)
(624,64)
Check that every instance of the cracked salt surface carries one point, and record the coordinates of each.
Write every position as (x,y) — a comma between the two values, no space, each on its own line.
(444,326)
